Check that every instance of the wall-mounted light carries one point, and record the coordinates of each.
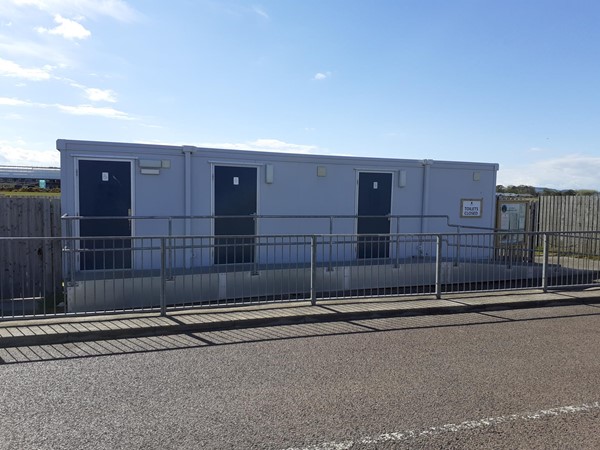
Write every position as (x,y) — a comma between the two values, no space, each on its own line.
(401,178)
(321,171)
(150,166)
(150,163)
(476,176)
(269,174)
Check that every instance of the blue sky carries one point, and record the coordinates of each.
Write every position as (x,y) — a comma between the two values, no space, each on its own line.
(515,82)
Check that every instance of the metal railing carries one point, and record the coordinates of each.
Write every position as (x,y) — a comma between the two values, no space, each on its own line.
(322,223)
(161,273)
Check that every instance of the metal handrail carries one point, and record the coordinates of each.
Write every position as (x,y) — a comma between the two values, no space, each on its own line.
(68,217)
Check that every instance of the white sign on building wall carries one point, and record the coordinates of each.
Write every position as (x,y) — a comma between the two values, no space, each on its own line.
(470,207)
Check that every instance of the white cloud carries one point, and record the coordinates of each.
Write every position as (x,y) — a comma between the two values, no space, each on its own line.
(67,28)
(78,110)
(322,76)
(115,9)
(21,154)
(12,101)
(268,145)
(8,101)
(101,95)
(260,11)
(575,171)
(260,145)
(89,110)
(275,145)
(32,50)
(12,69)
(94,94)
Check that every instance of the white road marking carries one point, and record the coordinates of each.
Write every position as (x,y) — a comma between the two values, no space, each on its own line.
(453,428)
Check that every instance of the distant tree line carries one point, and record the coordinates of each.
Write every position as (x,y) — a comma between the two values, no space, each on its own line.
(533,191)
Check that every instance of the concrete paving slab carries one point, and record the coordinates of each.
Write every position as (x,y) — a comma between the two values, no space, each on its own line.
(506,306)
(4,333)
(57,328)
(583,294)
(24,331)
(399,323)
(546,313)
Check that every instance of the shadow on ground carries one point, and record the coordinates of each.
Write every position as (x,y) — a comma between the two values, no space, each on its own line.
(92,349)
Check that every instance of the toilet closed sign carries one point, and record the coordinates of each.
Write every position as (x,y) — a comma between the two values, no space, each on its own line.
(470,207)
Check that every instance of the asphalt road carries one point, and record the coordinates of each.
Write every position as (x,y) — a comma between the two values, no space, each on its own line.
(513,379)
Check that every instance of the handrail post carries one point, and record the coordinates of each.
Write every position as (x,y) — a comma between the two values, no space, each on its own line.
(545,262)
(397,262)
(438,266)
(458,247)
(70,246)
(313,270)
(329,267)
(558,244)
(256,245)
(163,278)
(170,264)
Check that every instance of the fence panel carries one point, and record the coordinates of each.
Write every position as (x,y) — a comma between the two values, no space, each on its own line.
(30,216)
(30,267)
(570,214)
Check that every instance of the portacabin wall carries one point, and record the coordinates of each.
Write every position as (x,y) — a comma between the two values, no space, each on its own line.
(451,183)
(307,185)
(155,191)
(178,181)
(159,194)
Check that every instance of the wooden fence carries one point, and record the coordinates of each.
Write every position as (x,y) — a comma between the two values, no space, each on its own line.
(571,213)
(29,268)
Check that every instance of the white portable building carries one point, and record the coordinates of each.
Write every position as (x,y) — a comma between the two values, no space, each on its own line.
(242,221)
(267,193)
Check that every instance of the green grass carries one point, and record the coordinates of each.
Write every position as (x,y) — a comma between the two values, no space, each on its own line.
(28,194)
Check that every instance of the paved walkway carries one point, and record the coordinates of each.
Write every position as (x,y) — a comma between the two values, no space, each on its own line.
(57,330)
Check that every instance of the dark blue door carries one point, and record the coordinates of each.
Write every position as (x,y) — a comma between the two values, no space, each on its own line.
(374,200)
(105,191)
(235,195)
